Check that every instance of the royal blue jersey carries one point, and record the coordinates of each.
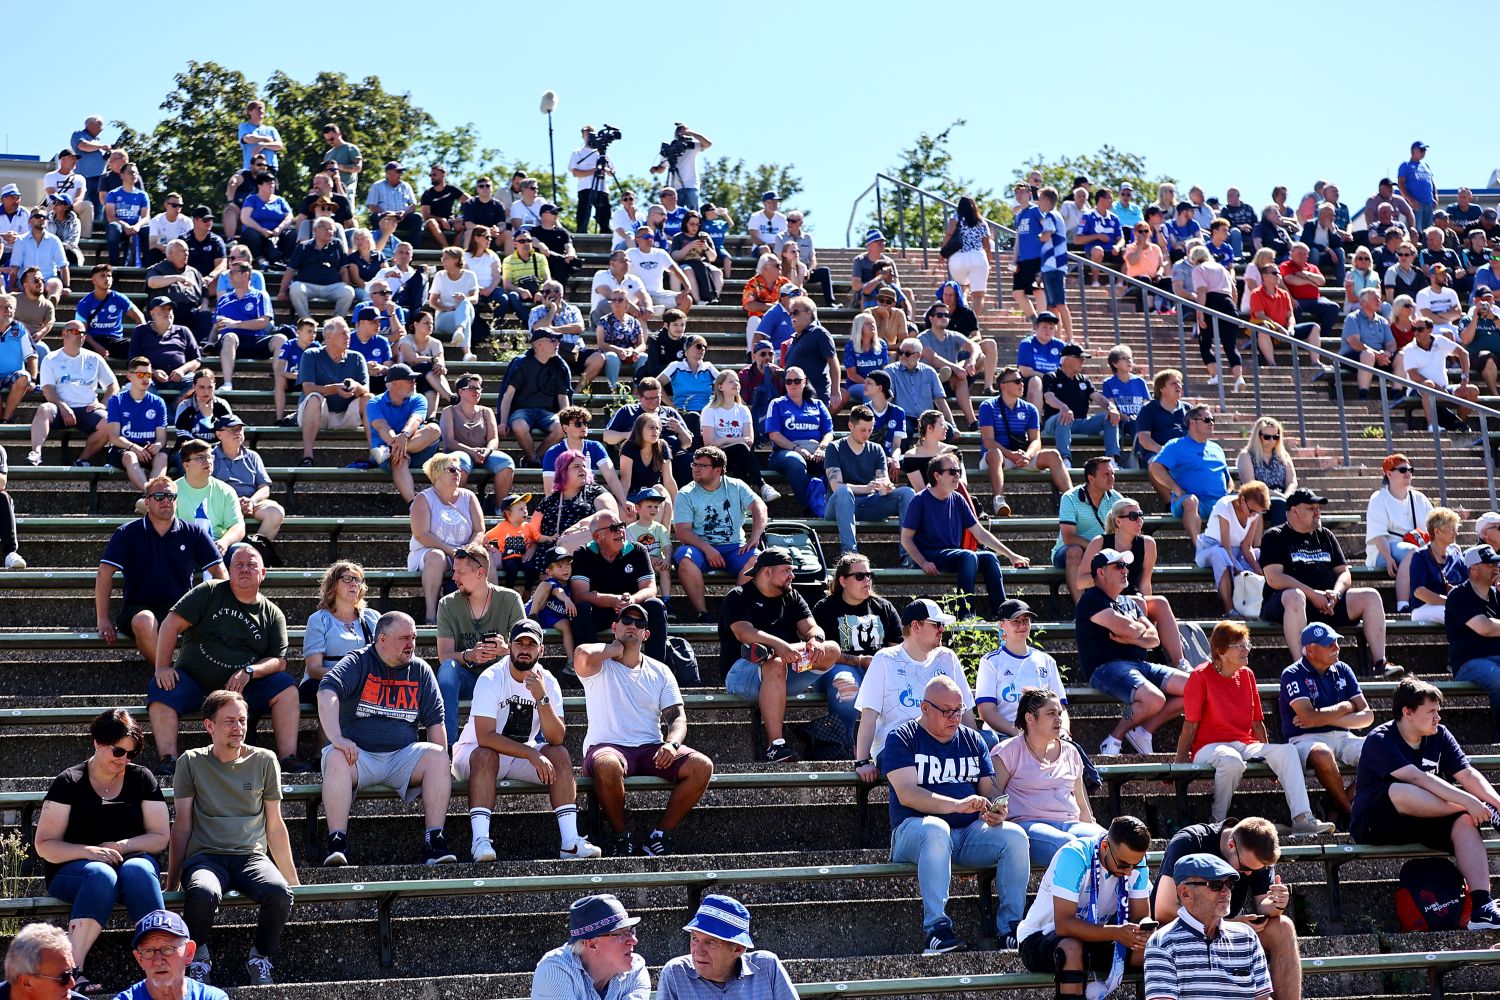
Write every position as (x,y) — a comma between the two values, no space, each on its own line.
(106,317)
(252,305)
(375,351)
(138,418)
(1029,233)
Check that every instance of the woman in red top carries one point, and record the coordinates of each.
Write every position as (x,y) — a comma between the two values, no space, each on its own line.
(1223,725)
(1271,306)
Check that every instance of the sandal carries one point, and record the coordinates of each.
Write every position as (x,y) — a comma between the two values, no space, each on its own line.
(83,984)
(307,461)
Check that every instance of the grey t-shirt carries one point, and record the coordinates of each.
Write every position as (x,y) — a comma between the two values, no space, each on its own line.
(381,707)
(951,348)
(857,470)
(245,473)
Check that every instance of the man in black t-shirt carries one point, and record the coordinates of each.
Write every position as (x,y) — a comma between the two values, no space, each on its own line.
(1307,579)
(1252,848)
(206,251)
(438,203)
(1472,621)
(767,632)
(610,573)
(1416,785)
(1067,396)
(556,244)
(484,210)
(1113,635)
(861,623)
(538,386)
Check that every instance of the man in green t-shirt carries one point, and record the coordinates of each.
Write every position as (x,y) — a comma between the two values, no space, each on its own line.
(234,638)
(229,834)
(202,499)
(472,623)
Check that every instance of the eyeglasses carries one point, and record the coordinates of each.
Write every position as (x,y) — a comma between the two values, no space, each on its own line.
(161,495)
(704,465)
(578,423)
(1214,885)
(140,374)
(522,241)
(483,185)
(1011,381)
(1206,420)
(861,575)
(159,952)
(118,752)
(1270,437)
(947,713)
(174,204)
(470,387)
(801,312)
(910,354)
(351,578)
(633,621)
(939,315)
(1403,253)
(628,932)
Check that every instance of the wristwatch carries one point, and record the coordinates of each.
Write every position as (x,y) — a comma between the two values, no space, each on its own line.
(546,699)
(249,669)
(674,744)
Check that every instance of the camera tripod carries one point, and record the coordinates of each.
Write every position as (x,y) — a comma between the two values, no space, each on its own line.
(597,185)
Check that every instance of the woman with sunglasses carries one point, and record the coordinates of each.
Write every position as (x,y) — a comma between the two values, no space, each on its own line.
(1042,773)
(862,623)
(619,339)
(472,433)
(726,424)
(1361,275)
(1264,459)
(1125,531)
(1395,523)
(1230,542)
(800,428)
(103,822)
(1222,727)
(624,222)
(341,624)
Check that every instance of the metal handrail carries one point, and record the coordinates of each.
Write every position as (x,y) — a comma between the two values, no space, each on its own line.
(1484,412)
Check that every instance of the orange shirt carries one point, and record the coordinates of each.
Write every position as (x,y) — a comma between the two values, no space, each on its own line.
(1223,707)
(1275,307)
(512,539)
(760,295)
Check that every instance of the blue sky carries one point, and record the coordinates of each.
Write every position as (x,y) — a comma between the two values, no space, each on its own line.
(839,89)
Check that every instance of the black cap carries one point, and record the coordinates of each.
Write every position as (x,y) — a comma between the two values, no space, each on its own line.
(201,212)
(1013,608)
(526,626)
(158,300)
(880,378)
(224,423)
(770,557)
(558,554)
(67,151)
(1045,316)
(549,207)
(1303,495)
(1074,351)
(399,372)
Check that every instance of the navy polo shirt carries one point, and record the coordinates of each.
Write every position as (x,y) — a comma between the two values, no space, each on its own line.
(316,266)
(159,568)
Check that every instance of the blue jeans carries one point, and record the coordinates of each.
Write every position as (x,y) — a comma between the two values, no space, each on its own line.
(1485,673)
(1424,214)
(743,681)
(94,887)
(1237,241)
(496,463)
(1048,836)
(844,508)
(1400,550)
(688,198)
(456,682)
(968,565)
(1318,254)
(1096,424)
(508,301)
(794,467)
(933,847)
(114,238)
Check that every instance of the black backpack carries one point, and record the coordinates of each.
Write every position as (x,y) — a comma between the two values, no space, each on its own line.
(682,661)
(801,542)
(1432,896)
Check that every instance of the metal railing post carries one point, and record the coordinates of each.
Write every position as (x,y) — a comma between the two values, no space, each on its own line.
(1489,457)
(879,210)
(1338,392)
(1223,366)
(1255,373)
(1385,412)
(1436,426)
(1114,305)
(1297,395)
(1181,342)
(1150,350)
(922,212)
(1083,309)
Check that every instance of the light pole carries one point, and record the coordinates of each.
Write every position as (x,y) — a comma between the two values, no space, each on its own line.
(549,104)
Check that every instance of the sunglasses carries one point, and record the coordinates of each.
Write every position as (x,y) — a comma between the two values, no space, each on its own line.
(1403,468)
(118,752)
(633,621)
(161,495)
(795,381)
(615,529)
(939,315)
(1134,515)
(910,354)
(68,978)
(351,578)
(1206,420)
(1214,885)
(948,472)
(1270,437)
(862,575)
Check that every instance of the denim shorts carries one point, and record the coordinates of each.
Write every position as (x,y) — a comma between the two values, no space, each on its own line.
(536,418)
(1120,678)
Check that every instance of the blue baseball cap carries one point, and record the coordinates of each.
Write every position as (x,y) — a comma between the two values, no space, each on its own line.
(162,921)
(1204,866)
(596,916)
(763,345)
(1318,634)
(722,917)
(364,313)
(648,493)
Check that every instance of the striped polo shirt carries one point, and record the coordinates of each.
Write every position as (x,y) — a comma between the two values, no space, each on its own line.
(1181,964)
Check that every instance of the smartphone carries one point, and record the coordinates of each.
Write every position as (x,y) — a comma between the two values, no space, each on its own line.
(1148,927)
(1255,918)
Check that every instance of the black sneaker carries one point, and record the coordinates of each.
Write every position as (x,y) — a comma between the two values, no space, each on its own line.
(338,850)
(166,767)
(435,851)
(623,847)
(1485,918)
(292,764)
(655,845)
(780,753)
(942,940)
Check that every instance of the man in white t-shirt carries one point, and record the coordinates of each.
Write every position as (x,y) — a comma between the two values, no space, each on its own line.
(515,730)
(766,226)
(1425,360)
(1439,302)
(593,185)
(166,226)
(67,180)
(617,275)
(682,173)
(891,692)
(73,380)
(652,264)
(1075,925)
(628,696)
(1011,668)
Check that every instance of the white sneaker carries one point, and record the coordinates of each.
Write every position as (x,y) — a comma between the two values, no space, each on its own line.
(1309,825)
(769,493)
(227,387)
(469,356)
(1110,746)
(582,849)
(13,560)
(482,849)
(1213,380)
(1239,384)
(34,457)
(1141,740)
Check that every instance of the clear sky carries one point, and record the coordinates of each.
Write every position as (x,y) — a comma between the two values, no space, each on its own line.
(838,89)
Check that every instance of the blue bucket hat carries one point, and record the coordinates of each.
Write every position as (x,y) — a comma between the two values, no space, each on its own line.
(722,917)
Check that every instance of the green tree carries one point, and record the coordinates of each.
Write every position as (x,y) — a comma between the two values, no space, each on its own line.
(1109,167)
(738,186)
(913,221)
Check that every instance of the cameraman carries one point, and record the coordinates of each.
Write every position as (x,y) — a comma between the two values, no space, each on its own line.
(683,173)
(593,191)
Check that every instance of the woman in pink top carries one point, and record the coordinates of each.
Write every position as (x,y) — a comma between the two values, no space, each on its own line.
(1043,775)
